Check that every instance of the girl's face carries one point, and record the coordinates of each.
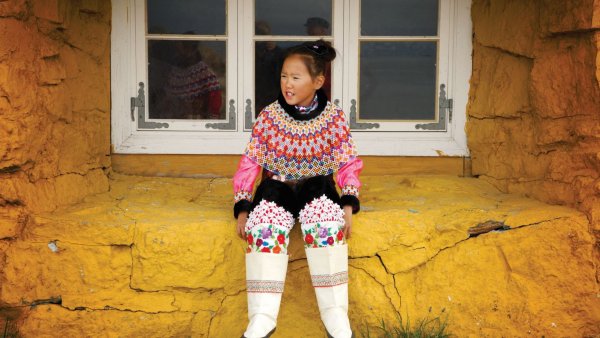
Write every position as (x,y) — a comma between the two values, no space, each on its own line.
(297,86)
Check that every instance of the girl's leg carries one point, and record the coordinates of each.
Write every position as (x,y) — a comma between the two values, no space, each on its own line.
(322,220)
(267,230)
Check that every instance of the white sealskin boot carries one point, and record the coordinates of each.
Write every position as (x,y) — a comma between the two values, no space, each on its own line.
(267,231)
(265,277)
(329,273)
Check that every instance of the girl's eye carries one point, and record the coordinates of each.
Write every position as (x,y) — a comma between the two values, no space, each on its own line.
(296,78)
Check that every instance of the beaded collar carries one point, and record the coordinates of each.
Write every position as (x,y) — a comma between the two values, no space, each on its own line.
(293,112)
(294,145)
(307,109)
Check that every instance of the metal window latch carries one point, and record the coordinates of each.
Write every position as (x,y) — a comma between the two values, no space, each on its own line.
(444,105)
(230,124)
(354,125)
(137,101)
(248,115)
(140,103)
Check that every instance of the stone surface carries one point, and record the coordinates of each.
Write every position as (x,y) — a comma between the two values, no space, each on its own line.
(165,249)
(510,26)
(508,77)
(569,16)
(48,320)
(534,108)
(54,103)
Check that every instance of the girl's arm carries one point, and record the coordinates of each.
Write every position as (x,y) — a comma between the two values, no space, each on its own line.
(347,179)
(243,184)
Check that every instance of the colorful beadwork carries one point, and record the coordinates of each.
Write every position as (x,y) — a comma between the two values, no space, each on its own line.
(322,223)
(350,190)
(242,195)
(296,149)
(312,106)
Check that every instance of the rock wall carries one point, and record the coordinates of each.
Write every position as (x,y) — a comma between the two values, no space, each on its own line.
(534,107)
(54,106)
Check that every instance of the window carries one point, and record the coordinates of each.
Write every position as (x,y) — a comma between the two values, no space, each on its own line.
(207,67)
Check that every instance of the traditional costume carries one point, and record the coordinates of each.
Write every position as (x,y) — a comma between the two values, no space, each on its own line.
(297,150)
(188,84)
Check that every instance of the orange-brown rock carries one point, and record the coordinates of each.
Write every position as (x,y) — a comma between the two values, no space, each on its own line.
(54,103)
(534,107)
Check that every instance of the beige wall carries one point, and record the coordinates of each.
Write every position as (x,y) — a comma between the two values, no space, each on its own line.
(54,105)
(534,107)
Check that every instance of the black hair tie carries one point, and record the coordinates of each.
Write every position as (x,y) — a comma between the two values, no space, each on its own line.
(317,49)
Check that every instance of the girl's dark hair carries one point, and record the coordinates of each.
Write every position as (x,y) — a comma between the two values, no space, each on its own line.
(315,54)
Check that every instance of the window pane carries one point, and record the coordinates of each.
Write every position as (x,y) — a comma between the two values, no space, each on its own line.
(205,17)
(399,17)
(268,60)
(292,17)
(187,79)
(397,80)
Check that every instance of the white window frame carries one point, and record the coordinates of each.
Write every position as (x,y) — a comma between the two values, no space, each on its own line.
(127,140)
(454,70)
(127,71)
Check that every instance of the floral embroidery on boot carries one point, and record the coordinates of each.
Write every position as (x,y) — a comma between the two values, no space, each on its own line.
(268,228)
(322,223)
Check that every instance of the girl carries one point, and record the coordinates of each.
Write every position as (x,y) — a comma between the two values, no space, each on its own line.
(297,143)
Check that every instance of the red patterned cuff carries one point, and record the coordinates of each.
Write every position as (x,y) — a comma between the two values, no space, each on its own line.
(350,190)
(243,195)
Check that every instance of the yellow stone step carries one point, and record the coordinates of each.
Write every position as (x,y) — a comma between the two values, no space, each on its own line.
(158,257)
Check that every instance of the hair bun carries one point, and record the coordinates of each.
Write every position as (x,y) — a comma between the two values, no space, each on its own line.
(322,49)
(316,55)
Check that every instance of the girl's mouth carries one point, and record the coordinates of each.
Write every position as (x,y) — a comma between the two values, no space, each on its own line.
(289,94)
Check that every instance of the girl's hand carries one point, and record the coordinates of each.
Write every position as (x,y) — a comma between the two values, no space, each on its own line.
(241,224)
(348,219)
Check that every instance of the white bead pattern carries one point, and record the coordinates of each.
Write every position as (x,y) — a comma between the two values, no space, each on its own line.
(269,213)
(321,209)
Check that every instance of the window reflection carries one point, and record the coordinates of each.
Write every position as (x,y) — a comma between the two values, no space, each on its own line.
(268,58)
(207,17)
(399,18)
(186,79)
(291,17)
(398,80)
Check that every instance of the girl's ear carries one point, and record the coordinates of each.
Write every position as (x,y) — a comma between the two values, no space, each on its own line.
(319,81)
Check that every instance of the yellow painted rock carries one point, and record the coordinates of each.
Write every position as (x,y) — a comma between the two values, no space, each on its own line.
(166,248)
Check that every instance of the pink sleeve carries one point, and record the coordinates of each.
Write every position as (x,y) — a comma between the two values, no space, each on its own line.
(347,177)
(243,180)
